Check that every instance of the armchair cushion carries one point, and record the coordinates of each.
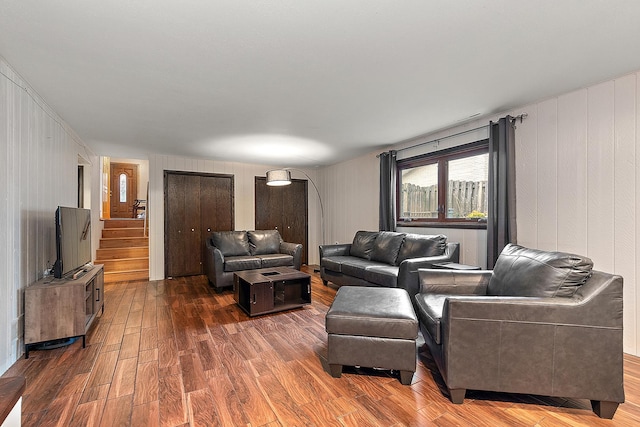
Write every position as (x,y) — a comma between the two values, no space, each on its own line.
(417,245)
(386,247)
(525,272)
(231,243)
(363,244)
(264,242)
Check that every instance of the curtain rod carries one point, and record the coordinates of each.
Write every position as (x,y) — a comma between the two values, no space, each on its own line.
(521,117)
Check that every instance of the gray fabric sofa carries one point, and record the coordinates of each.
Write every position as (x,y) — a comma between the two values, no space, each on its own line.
(231,251)
(384,258)
(540,323)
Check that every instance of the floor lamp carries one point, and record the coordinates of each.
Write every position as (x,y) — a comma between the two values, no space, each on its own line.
(279,177)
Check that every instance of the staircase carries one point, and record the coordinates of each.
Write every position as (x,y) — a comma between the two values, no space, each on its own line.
(124,250)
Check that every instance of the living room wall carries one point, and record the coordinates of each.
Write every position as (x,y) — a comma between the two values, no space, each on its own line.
(39,172)
(577,185)
(244,199)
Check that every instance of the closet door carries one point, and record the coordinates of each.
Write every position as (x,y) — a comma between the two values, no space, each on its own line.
(195,205)
(285,209)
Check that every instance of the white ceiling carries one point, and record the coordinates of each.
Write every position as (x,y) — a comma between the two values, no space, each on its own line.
(303,82)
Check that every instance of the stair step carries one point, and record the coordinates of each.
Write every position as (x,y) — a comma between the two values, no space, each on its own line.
(124,223)
(124,242)
(119,253)
(122,232)
(125,264)
(125,276)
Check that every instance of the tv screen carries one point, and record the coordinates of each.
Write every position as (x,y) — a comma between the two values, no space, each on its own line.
(73,240)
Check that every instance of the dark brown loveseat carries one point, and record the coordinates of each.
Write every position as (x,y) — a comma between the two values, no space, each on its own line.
(540,323)
(232,251)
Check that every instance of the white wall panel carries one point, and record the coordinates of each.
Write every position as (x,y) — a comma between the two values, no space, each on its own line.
(527,179)
(38,172)
(572,172)
(600,170)
(546,122)
(624,209)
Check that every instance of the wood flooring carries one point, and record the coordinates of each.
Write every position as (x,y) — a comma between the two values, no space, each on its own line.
(175,353)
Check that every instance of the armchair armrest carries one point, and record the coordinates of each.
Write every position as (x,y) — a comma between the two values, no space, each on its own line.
(454,282)
(293,249)
(334,250)
(408,271)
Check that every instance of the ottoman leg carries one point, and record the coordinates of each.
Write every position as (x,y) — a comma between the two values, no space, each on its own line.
(335,371)
(406,377)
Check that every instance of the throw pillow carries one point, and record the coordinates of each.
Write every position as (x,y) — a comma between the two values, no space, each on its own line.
(386,247)
(363,244)
(521,271)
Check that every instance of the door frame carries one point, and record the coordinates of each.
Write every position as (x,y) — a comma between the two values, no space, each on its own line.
(166,205)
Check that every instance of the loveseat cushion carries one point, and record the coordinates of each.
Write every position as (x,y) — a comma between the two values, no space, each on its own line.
(386,247)
(521,271)
(264,242)
(231,243)
(239,263)
(276,260)
(421,245)
(363,244)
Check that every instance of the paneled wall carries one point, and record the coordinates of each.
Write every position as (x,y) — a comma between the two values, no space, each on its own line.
(578,177)
(578,180)
(244,179)
(38,172)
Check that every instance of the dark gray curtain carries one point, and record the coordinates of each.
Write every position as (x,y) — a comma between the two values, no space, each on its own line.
(388,191)
(501,221)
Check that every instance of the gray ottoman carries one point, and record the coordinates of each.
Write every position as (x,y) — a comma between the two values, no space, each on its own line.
(372,327)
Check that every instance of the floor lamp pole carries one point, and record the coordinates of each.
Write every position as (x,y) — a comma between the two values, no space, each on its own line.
(319,199)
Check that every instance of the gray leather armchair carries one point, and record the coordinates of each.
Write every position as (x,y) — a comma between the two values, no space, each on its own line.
(540,323)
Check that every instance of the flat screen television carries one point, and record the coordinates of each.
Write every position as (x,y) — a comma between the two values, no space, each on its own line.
(73,241)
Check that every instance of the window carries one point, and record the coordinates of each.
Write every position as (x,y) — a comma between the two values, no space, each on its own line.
(123,188)
(445,187)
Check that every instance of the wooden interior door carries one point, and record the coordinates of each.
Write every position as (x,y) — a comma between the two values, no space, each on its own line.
(124,189)
(285,209)
(195,205)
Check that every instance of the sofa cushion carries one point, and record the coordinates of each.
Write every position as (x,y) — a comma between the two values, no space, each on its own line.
(334,263)
(276,260)
(383,275)
(363,244)
(521,271)
(430,307)
(355,267)
(264,242)
(231,243)
(386,247)
(239,263)
(421,245)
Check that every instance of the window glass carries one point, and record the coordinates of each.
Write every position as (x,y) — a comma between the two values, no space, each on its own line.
(419,192)
(447,187)
(467,187)
(123,188)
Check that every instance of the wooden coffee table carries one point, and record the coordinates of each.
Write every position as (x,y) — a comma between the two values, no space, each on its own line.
(269,290)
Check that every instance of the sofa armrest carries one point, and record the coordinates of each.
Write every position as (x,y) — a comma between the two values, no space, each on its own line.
(213,263)
(334,250)
(454,282)
(408,271)
(293,249)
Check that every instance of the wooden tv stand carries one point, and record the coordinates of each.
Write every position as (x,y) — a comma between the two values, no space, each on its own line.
(62,308)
